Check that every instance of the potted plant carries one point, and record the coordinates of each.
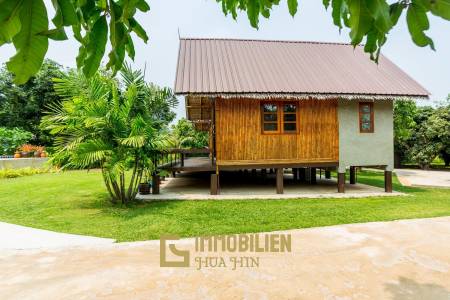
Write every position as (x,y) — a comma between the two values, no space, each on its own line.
(144,187)
(26,149)
(38,151)
(17,154)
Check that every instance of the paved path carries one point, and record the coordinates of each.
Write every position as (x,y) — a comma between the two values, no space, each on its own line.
(21,237)
(407,259)
(414,177)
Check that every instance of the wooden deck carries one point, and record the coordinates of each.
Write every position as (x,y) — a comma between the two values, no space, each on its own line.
(192,164)
(202,164)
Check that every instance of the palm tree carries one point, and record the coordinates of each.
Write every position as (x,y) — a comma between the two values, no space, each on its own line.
(111,124)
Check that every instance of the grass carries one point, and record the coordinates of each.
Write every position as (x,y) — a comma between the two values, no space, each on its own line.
(76,202)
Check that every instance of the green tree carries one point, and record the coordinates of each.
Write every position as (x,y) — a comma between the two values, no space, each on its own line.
(431,136)
(107,124)
(445,152)
(93,22)
(184,135)
(404,126)
(11,139)
(22,106)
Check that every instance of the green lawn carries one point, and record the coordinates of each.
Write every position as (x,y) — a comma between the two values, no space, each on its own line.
(76,202)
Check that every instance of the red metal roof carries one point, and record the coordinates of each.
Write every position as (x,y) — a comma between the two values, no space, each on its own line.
(230,66)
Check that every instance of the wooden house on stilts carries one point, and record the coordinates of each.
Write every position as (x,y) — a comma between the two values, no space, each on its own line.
(288,104)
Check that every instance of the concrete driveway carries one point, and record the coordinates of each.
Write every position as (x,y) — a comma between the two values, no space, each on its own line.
(414,177)
(21,237)
(408,259)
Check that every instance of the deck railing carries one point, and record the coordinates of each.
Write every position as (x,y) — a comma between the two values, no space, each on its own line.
(172,157)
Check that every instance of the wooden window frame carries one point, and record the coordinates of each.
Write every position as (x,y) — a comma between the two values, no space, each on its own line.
(372,121)
(280,117)
(264,113)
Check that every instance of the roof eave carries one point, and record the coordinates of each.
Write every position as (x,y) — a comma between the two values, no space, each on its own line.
(304,96)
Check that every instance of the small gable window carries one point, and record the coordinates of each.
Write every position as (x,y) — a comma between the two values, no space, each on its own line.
(279,117)
(366,124)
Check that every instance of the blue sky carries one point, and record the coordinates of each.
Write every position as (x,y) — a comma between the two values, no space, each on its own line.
(204,18)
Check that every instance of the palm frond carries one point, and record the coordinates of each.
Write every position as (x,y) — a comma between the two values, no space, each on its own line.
(92,152)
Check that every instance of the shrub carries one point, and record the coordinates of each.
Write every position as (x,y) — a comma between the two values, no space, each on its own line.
(12,138)
(13,173)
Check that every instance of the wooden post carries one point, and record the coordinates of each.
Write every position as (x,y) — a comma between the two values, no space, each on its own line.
(155,184)
(341,182)
(295,173)
(279,180)
(327,174)
(182,159)
(214,184)
(213,131)
(302,174)
(352,175)
(308,175)
(313,176)
(174,174)
(388,181)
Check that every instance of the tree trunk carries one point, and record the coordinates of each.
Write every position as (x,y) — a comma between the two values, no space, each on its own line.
(132,181)
(122,188)
(116,189)
(446,157)
(424,166)
(107,182)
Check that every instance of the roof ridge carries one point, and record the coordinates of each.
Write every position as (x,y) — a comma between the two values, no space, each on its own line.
(266,40)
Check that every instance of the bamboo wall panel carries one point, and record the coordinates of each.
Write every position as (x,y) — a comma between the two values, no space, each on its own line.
(239,137)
